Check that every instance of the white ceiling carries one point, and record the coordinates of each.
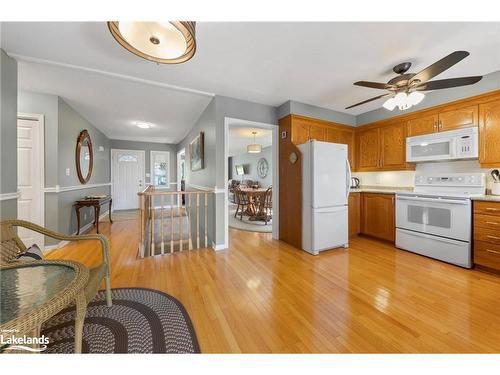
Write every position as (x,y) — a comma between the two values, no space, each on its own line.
(314,63)
(240,136)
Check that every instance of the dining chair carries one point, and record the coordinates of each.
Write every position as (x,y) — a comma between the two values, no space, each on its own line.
(241,201)
(266,205)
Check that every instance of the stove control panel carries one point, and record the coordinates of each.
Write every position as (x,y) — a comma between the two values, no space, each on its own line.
(450,179)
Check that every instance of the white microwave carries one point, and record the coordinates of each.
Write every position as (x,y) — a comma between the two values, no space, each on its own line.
(449,145)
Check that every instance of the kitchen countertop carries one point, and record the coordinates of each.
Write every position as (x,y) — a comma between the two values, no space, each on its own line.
(487,197)
(380,189)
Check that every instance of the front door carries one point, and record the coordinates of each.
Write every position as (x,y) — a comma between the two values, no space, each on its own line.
(30,178)
(128,178)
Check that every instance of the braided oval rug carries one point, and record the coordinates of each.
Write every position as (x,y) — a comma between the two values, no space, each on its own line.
(140,321)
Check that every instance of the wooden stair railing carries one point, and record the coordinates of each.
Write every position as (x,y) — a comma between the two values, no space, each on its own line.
(167,225)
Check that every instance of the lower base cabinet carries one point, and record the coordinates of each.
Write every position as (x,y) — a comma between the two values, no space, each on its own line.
(378,215)
(354,213)
(487,235)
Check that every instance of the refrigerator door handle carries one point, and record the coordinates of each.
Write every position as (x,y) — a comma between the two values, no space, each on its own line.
(348,182)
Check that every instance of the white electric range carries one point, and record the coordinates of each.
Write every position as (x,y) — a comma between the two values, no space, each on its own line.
(435,219)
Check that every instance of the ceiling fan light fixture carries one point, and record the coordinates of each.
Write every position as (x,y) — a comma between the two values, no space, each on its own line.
(390,104)
(416,97)
(161,42)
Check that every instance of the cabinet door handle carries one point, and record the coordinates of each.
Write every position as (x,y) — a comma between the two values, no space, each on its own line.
(492,209)
(493,251)
(494,237)
(435,126)
(491,222)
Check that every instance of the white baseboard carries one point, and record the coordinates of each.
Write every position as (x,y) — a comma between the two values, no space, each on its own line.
(219,247)
(83,230)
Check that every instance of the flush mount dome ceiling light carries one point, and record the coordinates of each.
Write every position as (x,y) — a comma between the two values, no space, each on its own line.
(254,148)
(161,42)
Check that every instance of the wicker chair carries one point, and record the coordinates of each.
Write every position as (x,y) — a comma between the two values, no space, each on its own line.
(11,247)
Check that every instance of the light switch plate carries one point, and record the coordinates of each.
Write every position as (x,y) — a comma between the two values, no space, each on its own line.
(147,175)
(67,171)
(101,148)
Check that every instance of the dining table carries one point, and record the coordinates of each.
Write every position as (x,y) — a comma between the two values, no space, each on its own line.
(253,196)
(34,291)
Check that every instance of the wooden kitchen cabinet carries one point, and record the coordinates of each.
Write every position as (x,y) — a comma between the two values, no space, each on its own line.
(487,235)
(346,137)
(300,132)
(423,125)
(377,215)
(317,133)
(461,117)
(354,204)
(393,146)
(368,150)
(489,134)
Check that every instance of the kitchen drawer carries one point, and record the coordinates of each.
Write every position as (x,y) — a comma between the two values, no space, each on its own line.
(488,208)
(487,235)
(487,255)
(487,221)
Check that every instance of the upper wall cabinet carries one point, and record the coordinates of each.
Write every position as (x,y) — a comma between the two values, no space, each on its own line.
(489,134)
(393,146)
(450,119)
(382,148)
(368,149)
(458,118)
(423,125)
(304,129)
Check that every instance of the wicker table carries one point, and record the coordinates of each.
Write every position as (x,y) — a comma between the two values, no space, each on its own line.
(32,292)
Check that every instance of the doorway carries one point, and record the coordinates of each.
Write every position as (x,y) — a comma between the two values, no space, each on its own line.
(127,171)
(30,176)
(262,174)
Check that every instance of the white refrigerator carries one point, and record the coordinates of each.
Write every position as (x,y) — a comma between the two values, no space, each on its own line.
(326,177)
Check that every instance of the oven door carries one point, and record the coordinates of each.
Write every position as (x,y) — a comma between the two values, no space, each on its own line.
(450,218)
(430,149)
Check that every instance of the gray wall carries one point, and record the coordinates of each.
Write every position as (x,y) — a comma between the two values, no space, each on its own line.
(297,108)
(70,126)
(62,127)
(8,134)
(249,161)
(490,82)
(148,147)
(47,105)
(206,123)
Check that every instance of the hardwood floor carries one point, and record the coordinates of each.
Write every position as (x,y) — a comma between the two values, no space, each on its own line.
(264,296)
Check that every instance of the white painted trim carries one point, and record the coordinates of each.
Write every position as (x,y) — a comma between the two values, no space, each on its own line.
(40,118)
(59,189)
(214,189)
(114,150)
(151,174)
(180,152)
(218,247)
(173,183)
(275,180)
(10,196)
(110,74)
(83,229)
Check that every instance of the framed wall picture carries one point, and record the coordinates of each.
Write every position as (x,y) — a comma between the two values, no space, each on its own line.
(196,152)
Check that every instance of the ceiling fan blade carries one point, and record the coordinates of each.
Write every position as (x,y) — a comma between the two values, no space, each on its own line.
(374,85)
(439,66)
(448,83)
(369,100)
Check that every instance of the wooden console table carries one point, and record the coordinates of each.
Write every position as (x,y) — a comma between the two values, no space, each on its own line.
(96,203)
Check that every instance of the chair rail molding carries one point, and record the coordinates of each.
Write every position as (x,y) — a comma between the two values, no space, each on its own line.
(9,196)
(62,189)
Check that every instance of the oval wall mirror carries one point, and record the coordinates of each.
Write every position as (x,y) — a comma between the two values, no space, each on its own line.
(84,157)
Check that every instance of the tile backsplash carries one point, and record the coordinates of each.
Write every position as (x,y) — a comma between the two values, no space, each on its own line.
(406,178)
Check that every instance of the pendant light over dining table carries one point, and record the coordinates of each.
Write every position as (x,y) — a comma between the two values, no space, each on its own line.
(254,148)
(171,42)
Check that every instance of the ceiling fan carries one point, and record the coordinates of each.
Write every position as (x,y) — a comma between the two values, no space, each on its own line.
(405,90)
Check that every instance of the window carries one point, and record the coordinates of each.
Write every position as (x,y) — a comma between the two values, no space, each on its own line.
(160,163)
